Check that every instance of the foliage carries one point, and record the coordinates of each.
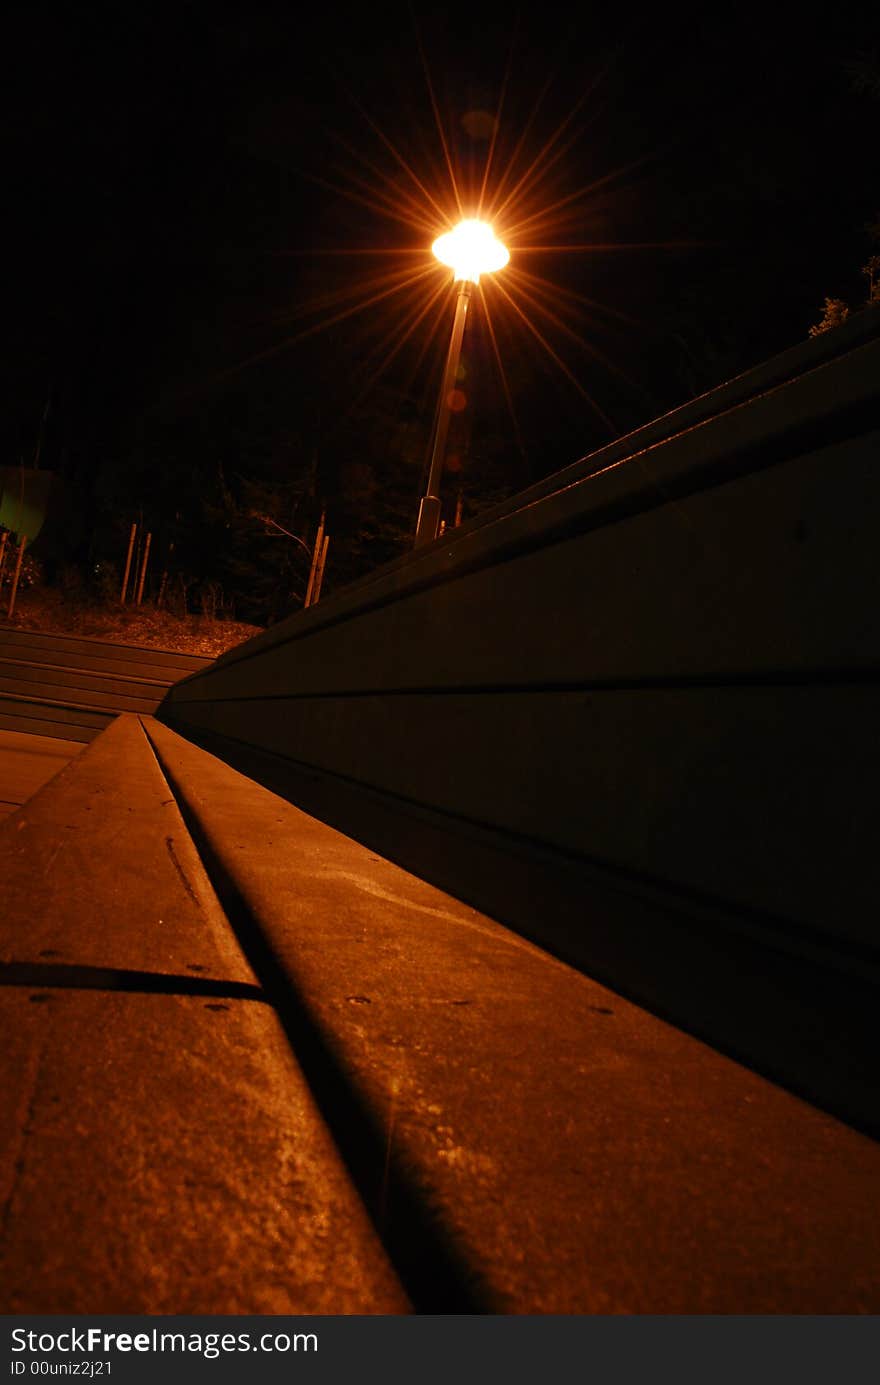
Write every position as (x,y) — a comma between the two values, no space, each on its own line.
(836,309)
(31,573)
(232,493)
(106,581)
(836,312)
(262,560)
(872,272)
(47,608)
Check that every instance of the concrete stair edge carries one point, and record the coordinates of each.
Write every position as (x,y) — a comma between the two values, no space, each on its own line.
(38,727)
(101,674)
(168,1154)
(529,1141)
(524,1098)
(57,704)
(38,639)
(95,699)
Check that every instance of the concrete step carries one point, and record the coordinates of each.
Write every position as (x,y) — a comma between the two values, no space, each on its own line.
(68,686)
(164,1152)
(27,762)
(73,676)
(98,655)
(572,1152)
(52,718)
(94,697)
(253,1067)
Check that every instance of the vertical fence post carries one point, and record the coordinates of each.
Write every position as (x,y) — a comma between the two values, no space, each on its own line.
(319,578)
(140,590)
(316,558)
(128,563)
(16,575)
(3,541)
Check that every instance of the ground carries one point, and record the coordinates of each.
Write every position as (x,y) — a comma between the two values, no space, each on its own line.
(45,608)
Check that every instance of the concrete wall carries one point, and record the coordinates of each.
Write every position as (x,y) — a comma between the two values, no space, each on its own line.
(656,670)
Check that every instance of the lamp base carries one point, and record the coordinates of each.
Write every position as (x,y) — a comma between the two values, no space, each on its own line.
(429,520)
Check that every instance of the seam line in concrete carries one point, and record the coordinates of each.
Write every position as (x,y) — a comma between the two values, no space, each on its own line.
(857,959)
(795,678)
(432,1275)
(70,976)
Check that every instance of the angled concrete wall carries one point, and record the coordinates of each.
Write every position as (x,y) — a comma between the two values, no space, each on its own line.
(657,669)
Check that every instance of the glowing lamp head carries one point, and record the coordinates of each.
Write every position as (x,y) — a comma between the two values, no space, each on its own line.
(471,249)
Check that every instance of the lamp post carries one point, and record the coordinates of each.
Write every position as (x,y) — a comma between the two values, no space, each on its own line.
(470,249)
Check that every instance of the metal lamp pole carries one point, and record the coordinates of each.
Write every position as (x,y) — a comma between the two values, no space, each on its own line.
(429,509)
(470,249)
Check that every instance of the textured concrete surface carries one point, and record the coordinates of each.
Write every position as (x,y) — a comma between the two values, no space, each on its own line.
(161,1151)
(653,680)
(580,1155)
(193,1129)
(27,763)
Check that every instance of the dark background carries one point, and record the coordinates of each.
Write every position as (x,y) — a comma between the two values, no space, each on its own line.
(196,195)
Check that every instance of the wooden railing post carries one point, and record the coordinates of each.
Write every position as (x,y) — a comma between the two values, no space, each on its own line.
(128,563)
(16,574)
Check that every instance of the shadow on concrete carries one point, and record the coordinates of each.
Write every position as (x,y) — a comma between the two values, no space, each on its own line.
(805,1022)
(66,976)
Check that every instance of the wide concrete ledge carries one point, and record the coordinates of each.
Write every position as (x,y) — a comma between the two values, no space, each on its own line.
(161,1151)
(802,1021)
(563,1150)
(631,715)
(663,672)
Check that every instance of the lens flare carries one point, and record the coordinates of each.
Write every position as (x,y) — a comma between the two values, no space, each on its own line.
(471,249)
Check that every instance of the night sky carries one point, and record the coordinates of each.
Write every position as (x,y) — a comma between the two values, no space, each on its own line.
(204,199)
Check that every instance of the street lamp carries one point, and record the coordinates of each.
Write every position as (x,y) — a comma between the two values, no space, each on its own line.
(470,249)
